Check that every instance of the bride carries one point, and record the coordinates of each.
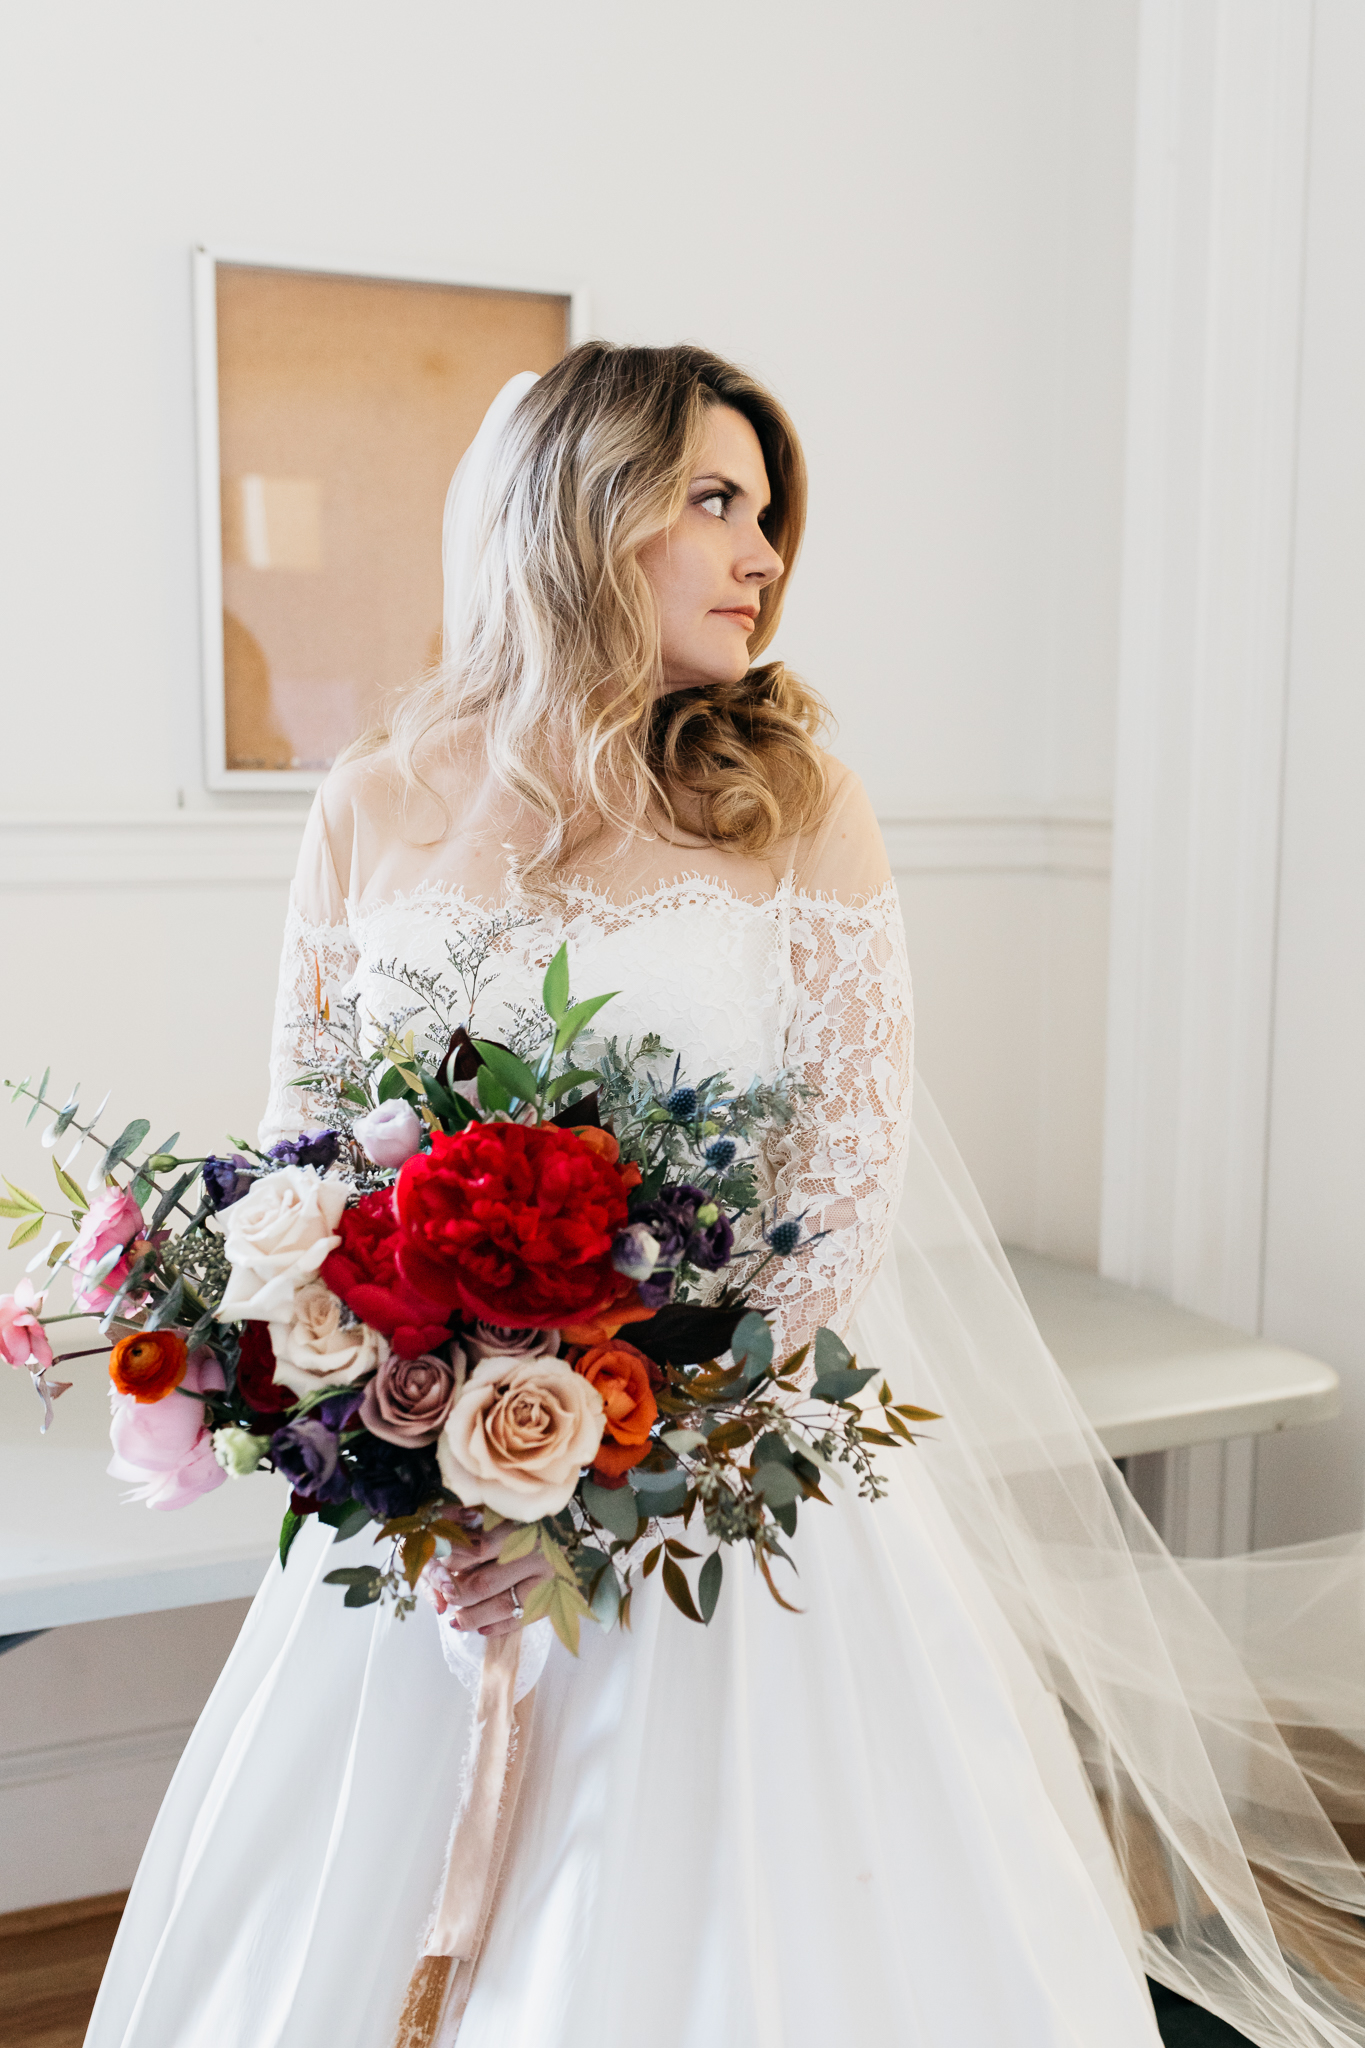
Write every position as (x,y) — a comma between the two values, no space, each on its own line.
(1005,1762)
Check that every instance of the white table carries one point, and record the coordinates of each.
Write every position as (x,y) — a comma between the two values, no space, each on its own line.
(1149,1376)
(71,1550)
(1152,1377)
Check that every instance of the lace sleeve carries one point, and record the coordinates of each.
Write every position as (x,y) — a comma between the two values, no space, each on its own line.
(318,958)
(841,1161)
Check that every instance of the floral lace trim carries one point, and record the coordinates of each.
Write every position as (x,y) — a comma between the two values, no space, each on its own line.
(692,888)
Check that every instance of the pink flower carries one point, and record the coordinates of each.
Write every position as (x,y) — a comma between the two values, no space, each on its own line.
(23,1340)
(113,1221)
(164,1446)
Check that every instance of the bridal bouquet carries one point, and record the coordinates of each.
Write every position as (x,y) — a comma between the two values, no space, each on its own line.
(500,1288)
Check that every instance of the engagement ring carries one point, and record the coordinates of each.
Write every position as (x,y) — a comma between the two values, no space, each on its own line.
(516,1604)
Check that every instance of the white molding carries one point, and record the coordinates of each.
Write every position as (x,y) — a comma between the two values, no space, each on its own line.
(1004,843)
(180,849)
(228,849)
(1221,181)
(93,1756)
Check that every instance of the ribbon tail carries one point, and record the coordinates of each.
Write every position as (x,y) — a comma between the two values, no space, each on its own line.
(439,1987)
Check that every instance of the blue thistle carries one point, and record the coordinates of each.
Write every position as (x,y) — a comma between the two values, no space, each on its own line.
(784,1237)
(682,1104)
(719,1153)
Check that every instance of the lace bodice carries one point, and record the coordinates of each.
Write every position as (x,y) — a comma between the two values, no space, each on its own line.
(794,978)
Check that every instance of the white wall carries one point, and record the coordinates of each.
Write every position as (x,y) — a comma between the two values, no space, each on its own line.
(1312,1483)
(912,219)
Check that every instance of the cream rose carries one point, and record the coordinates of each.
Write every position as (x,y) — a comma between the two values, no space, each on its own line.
(276,1238)
(315,1349)
(518,1436)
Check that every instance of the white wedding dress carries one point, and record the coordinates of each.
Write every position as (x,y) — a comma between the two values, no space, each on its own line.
(1004,1760)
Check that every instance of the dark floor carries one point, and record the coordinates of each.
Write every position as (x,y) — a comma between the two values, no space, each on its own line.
(49,1977)
(1184,2025)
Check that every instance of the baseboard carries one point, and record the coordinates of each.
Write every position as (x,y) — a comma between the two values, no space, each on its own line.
(93,1756)
(39,1919)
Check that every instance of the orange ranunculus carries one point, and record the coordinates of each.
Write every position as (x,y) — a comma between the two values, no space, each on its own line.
(605,1146)
(148,1365)
(620,1374)
(613,1315)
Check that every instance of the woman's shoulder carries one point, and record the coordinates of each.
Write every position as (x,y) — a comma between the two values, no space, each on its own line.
(840,853)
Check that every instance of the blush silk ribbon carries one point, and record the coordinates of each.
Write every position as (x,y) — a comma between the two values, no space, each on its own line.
(439,1987)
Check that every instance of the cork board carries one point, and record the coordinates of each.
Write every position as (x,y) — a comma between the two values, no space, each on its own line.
(343,406)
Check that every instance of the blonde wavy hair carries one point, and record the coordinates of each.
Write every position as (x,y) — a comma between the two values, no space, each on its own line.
(560,670)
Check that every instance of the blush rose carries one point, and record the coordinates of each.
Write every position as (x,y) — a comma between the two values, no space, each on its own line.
(519,1435)
(276,1238)
(112,1221)
(314,1348)
(409,1399)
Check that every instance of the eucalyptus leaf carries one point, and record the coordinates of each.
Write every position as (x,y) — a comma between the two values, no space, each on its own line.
(682,1440)
(842,1386)
(752,1345)
(778,1485)
(169,1199)
(605,1600)
(708,1585)
(169,1307)
(128,1140)
(613,1507)
(352,1522)
(831,1353)
(38,1103)
(363,1596)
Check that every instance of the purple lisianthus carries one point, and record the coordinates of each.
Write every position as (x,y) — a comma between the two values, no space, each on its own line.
(308,1455)
(227,1180)
(310,1148)
(392,1479)
(686,1224)
(635,1251)
(657,1291)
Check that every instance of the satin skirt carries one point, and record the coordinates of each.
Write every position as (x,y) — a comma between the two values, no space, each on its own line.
(862,1822)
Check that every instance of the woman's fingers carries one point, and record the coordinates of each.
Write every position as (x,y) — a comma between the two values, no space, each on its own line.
(479,1594)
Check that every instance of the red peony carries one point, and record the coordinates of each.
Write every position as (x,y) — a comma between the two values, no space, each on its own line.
(256,1375)
(512,1223)
(363,1272)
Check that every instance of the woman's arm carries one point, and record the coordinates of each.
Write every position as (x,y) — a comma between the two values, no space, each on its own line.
(841,1161)
(318,958)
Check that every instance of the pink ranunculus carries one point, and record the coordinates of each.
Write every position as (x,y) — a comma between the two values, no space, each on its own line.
(113,1220)
(164,1446)
(23,1340)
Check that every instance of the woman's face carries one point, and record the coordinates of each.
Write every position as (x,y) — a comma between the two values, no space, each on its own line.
(708,570)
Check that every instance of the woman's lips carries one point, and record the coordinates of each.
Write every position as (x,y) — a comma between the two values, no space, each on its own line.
(746,619)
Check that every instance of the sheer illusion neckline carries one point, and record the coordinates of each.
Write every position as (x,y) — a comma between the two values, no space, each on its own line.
(581,897)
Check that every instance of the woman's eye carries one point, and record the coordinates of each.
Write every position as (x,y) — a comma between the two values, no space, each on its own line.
(715,503)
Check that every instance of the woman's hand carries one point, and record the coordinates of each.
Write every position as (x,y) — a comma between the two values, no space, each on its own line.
(475,1593)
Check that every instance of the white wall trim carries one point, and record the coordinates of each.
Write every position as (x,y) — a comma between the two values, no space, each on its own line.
(1216,316)
(225,849)
(93,1755)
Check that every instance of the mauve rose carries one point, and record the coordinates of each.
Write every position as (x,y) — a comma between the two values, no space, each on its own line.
(113,1219)
(389,1134)
(409,1399)
(275,1238)
(164,1446)
(486,1340)
(518,1436)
